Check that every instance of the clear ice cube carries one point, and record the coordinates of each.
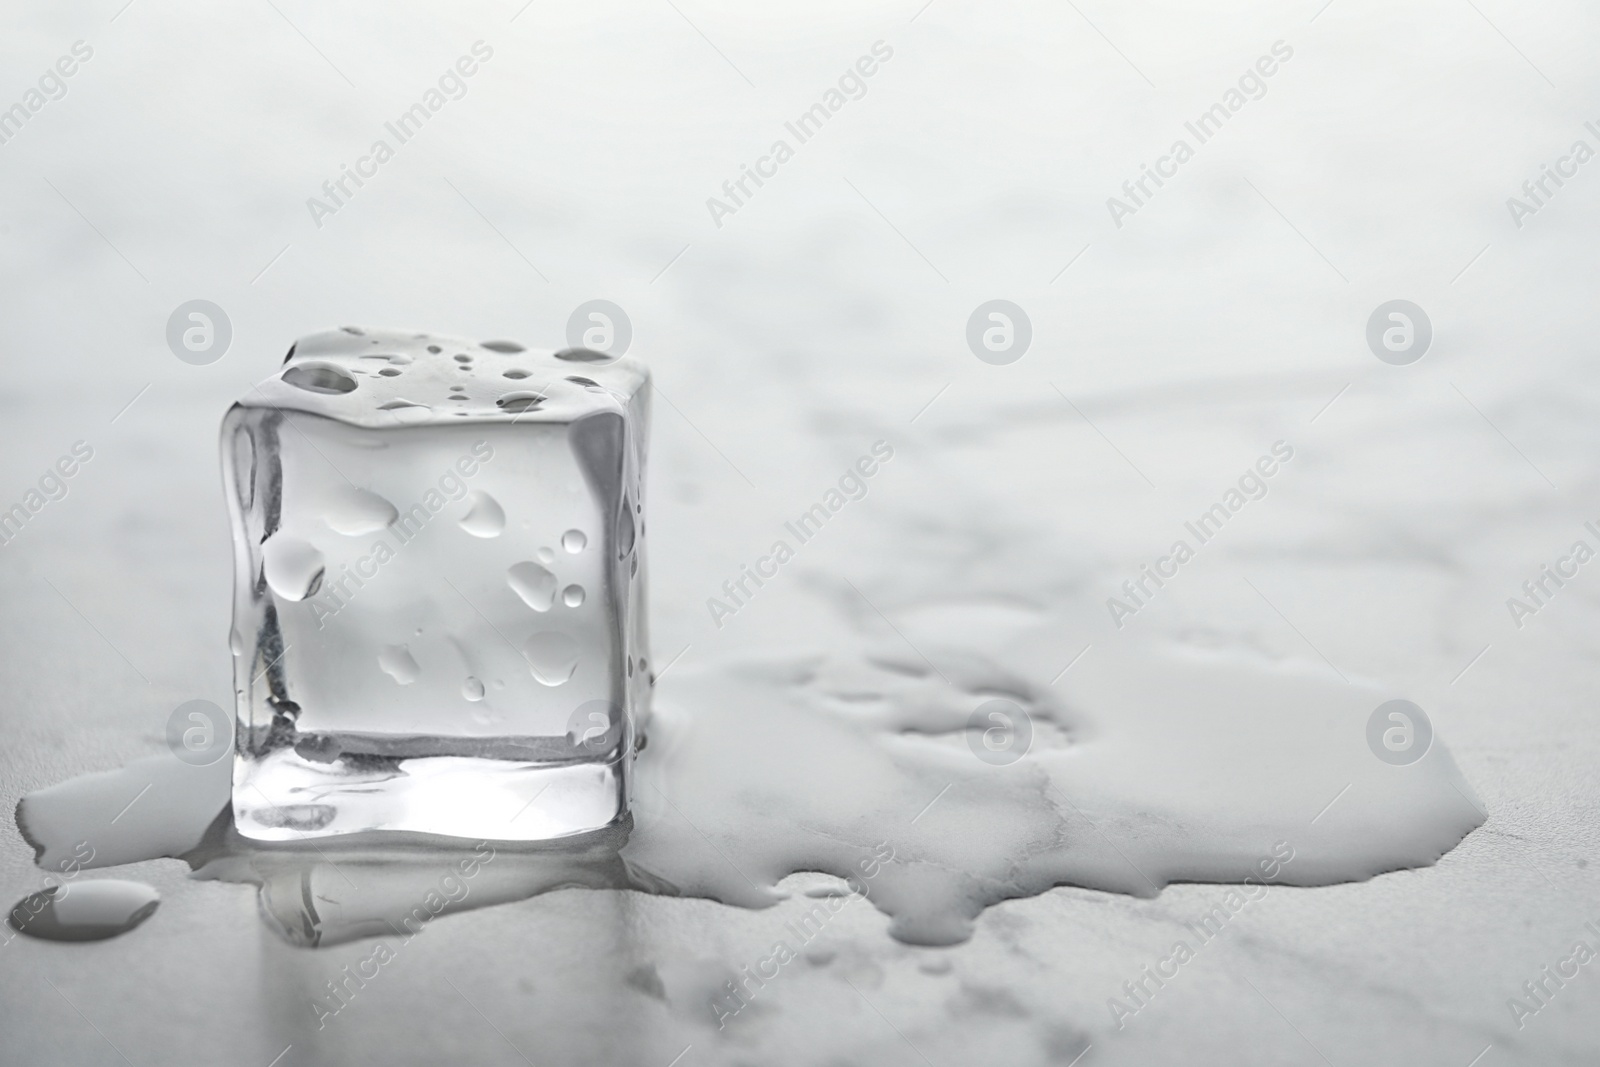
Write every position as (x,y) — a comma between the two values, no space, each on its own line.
(439,605)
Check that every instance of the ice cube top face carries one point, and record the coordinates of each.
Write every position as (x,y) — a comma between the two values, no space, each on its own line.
(439,616)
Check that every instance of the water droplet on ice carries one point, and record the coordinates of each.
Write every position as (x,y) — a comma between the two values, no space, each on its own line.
(292,567)
(520,401)
(485,517)
(84,911)
(503,346)
(625,531)
(552,656)
(583,355)
(398,663)
(574,540)
(359,512)
(535,585)
(407,410)
(235,643)
(472,689)
(546,554)
(319,378)
(572,596)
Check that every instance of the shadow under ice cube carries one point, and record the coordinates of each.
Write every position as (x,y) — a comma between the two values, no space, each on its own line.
(439,605)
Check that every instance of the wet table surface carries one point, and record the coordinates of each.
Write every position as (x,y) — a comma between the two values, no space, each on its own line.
(828,311)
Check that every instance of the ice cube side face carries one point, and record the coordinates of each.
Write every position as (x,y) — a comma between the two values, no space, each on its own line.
(439,606)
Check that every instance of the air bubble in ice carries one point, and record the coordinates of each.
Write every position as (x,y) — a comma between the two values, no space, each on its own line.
(552,656)
(398,663)
(485,517)
(574,541)
(535,585)
(319,378)
(472,689)
(357,512)
(572,595)
(292,567)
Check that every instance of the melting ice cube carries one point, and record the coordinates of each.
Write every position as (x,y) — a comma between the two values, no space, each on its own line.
(412,656)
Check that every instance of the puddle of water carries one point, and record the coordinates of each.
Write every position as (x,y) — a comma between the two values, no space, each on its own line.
(84,910)
(1146,764)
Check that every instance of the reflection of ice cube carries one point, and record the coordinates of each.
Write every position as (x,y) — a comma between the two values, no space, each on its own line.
(438,562)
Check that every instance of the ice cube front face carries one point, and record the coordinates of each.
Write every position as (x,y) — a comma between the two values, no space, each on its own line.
(439,604)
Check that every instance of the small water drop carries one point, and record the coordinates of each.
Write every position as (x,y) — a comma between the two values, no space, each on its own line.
(503,346)
(435,349)
(357,512)
(516,374)
(389,372)
(583,355)
(84,911)
(572,595)
(485,517)
(472,689)
(235,642)
(546,554)
(463,358)
(292,567)
(552,656)
(319,378)
(521,401)
(535,585)
(407,410)
(574,541)
(625,529)
(398,663)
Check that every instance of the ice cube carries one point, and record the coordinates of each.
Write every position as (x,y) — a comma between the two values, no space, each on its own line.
(439,606)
